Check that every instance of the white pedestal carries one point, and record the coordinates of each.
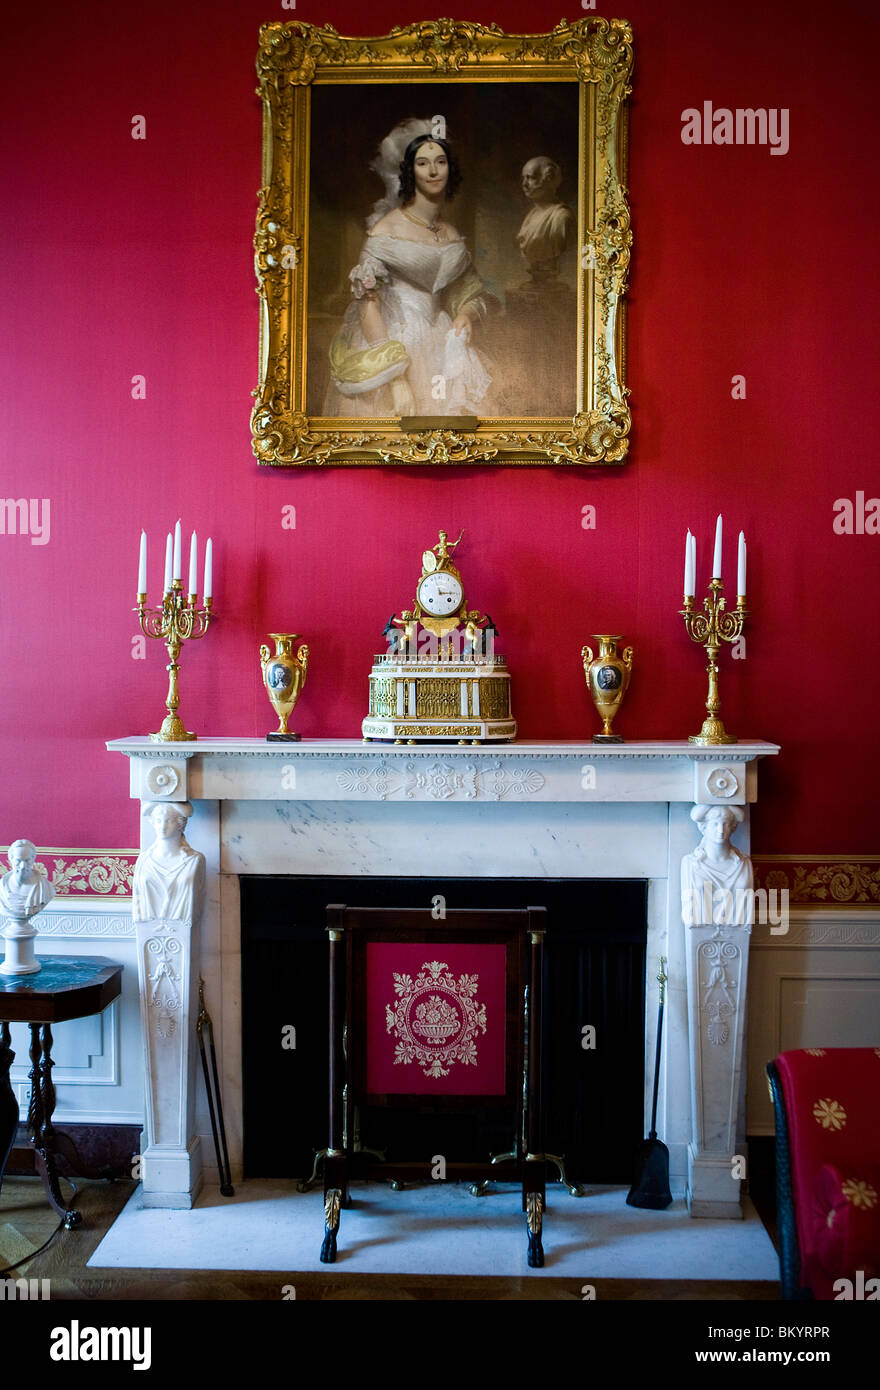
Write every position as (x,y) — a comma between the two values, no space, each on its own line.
(19,937)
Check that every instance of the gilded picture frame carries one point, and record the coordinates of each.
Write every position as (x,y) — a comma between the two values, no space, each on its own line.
(559,99)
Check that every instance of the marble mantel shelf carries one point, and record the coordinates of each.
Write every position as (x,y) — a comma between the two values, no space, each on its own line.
(218,769)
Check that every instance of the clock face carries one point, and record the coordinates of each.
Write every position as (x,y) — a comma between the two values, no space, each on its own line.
(440,593)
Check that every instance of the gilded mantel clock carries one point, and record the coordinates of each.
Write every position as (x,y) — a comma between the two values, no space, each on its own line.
(440,678)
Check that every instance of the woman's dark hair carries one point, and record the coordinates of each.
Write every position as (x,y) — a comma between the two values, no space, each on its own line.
(407,189)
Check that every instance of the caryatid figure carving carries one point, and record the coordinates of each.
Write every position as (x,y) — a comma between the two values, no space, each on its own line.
(169,877)
(716,879)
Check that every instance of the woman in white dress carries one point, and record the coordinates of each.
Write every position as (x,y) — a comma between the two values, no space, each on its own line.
(405,344)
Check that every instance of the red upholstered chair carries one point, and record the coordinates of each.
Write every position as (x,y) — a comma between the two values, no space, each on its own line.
(827,1107)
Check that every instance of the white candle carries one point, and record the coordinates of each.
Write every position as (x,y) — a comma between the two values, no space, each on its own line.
(193,566)
(176,574)
(167,585)
(741,565)
(693,565)
(716,560)
(688,572)
(142,565)
(209,569)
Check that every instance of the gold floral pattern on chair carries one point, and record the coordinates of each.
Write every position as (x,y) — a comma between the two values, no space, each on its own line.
(830,1114)
(815,1051)
(859,1192)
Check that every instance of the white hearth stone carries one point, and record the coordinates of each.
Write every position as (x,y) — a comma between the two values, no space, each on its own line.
(438,1229)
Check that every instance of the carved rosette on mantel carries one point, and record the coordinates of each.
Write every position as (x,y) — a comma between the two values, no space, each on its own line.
(717,898)
(167,900)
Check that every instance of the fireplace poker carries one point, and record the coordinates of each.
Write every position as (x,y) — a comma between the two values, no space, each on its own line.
(651,1186)
(203,1025)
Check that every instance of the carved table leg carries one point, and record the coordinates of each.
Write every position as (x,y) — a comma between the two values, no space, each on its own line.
(8,1103)
(40,1120)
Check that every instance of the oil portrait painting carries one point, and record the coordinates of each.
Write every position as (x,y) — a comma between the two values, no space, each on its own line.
(443,259)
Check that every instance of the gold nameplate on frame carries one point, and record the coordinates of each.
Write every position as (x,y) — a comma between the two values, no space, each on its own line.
(442,245)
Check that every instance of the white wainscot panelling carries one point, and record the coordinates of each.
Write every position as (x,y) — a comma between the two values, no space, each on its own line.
(98,1071)
(818,985)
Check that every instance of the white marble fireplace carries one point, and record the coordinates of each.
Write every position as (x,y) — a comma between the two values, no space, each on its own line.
(523,810)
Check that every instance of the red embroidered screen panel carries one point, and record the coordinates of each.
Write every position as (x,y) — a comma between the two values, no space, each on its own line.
(436,1019)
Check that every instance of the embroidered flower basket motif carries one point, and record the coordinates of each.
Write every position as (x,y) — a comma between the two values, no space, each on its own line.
(830,1114)
(859,1193)
(435,1019)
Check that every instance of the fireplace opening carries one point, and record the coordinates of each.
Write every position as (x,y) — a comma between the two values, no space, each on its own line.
(594,1023)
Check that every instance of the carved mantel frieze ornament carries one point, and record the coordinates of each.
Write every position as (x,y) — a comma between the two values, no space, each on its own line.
(167,901)
(24,892)
(717,900)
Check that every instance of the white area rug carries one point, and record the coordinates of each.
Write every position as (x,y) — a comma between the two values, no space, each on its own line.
(437,1229)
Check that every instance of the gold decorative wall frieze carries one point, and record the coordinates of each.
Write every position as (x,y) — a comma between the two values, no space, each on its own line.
(821,880)
(86,873)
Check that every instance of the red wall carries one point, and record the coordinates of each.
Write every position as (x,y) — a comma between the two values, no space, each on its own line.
(124,257)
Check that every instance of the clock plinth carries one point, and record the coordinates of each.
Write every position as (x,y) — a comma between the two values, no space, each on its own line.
(413,701)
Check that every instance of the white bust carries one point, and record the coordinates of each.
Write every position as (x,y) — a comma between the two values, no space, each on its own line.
(549,225)
(169,877)
(24,891)
(716,880)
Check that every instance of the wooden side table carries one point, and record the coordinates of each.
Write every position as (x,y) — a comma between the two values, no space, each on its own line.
(67,987)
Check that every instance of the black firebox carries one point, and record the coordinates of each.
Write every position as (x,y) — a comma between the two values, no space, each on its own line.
(594,992)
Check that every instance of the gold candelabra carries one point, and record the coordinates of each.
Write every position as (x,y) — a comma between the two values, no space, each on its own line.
(710,628)
(178,620)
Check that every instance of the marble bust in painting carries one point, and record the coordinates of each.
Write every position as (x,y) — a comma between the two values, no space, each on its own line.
(540,348)
(549,225)
(169,877)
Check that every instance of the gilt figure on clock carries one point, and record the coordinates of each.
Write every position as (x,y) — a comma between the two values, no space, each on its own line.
(440,679)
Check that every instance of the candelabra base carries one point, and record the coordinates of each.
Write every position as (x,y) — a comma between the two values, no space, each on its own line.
(276,737)
(608,738)
(173,730)
(711,734)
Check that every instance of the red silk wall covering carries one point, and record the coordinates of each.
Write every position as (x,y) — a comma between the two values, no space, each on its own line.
(126,257)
